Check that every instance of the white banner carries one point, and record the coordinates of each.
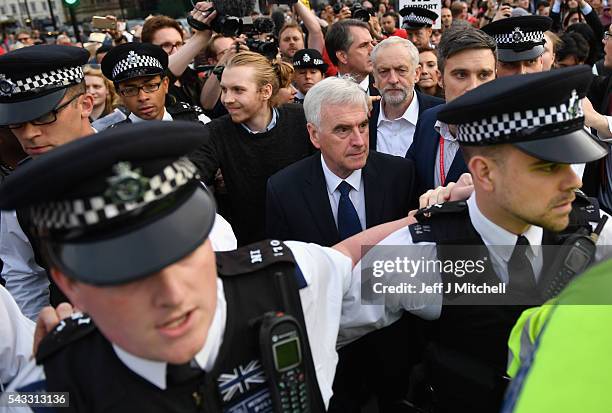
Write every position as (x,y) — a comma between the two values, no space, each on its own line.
(433,5)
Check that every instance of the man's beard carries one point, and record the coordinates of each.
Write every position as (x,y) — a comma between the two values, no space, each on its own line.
(395,97)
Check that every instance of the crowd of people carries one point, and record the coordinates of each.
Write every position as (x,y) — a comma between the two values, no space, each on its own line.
(171,194)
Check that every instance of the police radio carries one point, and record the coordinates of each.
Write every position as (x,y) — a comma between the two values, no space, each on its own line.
(281,344)
(581,249)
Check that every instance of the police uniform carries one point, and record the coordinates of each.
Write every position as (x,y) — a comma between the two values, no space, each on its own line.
(132,60)
(540,114)
(33,81)
(415,17)
(519,38)
(131,176)
(308,59)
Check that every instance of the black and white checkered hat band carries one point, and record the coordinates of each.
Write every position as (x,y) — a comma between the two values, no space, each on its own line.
(519,37)
(135,61)
(413,18)
(87,212)
(43,81)
(497,126)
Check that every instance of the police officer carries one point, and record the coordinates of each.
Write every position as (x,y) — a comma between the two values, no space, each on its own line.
(309,70)
(125,228)
(520,43)
(417,22)
(44,103)
(518,134)
(140,74)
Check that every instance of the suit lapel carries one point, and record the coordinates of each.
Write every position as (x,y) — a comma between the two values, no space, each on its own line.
(373,192)
(317,200)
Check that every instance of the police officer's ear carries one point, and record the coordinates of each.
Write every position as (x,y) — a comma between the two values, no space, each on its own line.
(87,104)
(165,83)
(484,164)
(314,135)
(68,286)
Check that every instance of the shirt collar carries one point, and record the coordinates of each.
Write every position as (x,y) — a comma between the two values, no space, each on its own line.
(444,131)
(364,84)
(411,114)
(166,118)
(494,235)
(155,371)
(332,180)
(271,125)
(300,95)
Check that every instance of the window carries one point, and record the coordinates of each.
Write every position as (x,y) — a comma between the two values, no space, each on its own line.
(33,7)
(22,8)
(2,10)
(13,9)
(44,5)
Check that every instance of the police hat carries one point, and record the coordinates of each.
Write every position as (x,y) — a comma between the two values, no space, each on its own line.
(130,60)
(519,38)
(33,80)
(539,113)
(119,205)
(309,59)
(415,17)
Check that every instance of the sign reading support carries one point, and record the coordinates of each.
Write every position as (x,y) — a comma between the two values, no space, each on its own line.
(433,5)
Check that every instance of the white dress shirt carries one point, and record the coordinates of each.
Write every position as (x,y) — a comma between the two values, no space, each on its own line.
(394,136)
(364,84)
(357,194)
(17,333)
(451,146)
(25,279)
(167,118)
(135,119)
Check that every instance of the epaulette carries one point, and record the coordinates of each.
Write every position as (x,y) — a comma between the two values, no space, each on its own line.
(69,330)
(586,207)
(253,257)
(423,230)
(181,107)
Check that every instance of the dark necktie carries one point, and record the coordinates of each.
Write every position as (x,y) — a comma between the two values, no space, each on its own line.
(181,373)
(520,271)
(348,219)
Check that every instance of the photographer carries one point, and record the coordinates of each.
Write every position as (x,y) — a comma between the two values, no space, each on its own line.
(253,142)
(167,33)
(291,37)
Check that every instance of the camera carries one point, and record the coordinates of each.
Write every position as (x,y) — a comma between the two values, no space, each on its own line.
(359,13)
(337,8)
(267,48)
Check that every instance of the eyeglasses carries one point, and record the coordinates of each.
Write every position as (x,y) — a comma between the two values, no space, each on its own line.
(131,91)
(23,39)
(47,118)
(169,46)
(607,35)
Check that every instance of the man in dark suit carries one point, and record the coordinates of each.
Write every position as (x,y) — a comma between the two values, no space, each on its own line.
(466,58)
(396,70)
(330,196)
(348,43)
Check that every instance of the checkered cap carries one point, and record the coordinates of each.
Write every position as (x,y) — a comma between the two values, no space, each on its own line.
(414,19)
(41,81)
(504,127)
(519,37)
(133,61)
(86,212)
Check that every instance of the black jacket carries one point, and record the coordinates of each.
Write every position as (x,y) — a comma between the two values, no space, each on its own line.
(425,102)
(298,207)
